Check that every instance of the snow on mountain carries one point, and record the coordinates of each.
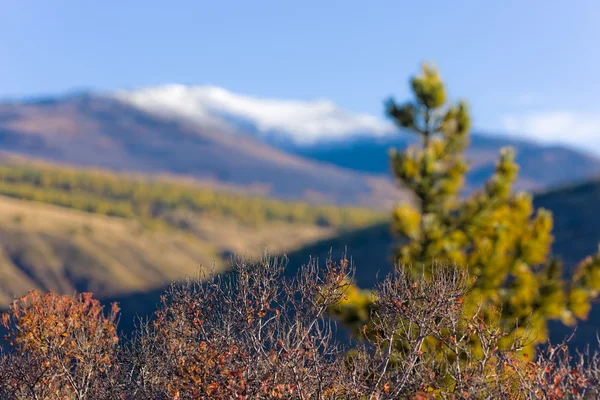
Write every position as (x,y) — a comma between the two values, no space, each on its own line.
(303,122)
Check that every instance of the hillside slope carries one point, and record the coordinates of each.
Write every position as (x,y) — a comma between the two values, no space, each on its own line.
(311,151)
(67,229)
(49,248)
(576,219)
(104,132)
(46,247)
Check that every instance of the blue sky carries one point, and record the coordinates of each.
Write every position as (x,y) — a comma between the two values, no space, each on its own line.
(527,67)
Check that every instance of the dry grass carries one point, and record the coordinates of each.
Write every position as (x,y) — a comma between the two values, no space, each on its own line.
(51,248)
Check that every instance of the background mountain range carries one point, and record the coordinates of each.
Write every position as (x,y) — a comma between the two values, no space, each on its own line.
(309,150)
(68,164)
(104,132)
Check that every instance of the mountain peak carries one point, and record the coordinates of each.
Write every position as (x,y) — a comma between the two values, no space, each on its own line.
(302,122)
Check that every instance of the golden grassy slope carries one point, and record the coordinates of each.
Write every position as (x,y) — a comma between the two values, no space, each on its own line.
(52,248)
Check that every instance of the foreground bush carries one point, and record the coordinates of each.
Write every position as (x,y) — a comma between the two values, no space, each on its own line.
(255,334)
(63,348)
(247,334)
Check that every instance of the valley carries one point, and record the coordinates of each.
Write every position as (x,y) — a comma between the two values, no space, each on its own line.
(67,230)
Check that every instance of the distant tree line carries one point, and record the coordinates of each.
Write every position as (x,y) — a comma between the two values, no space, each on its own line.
(113,194)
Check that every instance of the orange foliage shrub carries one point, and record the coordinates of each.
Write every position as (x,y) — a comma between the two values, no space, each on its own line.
(254,333)
(64,347)
(251,333)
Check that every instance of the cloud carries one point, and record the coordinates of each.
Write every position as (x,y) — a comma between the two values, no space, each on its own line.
(302,121)
(577,129)
(307,122)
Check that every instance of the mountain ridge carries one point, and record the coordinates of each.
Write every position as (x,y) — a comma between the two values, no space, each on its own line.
(322,131)
(104,132)
(110,131)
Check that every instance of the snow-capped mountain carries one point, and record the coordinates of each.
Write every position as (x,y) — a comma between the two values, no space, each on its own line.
(323,131)
(98,130)
(302,123)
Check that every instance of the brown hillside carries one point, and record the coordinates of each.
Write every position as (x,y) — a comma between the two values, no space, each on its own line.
(51,248)
(97,131)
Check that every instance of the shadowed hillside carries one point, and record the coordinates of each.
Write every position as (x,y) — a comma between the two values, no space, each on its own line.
(576,219)
(370,249)
(576,233)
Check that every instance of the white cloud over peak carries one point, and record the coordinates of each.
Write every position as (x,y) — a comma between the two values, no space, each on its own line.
(573,128)
(302,121)
(307,122)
